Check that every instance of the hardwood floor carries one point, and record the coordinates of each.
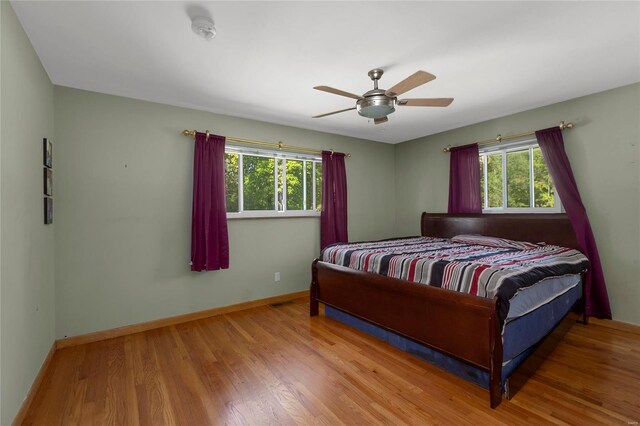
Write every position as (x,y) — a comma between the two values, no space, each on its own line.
(275,365)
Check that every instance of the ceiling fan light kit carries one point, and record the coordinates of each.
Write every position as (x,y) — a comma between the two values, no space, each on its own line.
(375,105)
(379,103)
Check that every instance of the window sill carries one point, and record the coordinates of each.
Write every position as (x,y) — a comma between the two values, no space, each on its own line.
(272,215)
(521,210)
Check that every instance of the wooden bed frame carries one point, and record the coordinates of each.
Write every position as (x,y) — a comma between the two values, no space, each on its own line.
(460,325)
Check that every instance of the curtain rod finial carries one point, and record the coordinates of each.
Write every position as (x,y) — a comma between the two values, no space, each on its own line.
(189,132)
(565,126)
(446,148)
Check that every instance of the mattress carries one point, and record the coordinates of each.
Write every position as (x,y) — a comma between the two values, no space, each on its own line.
(530,298)
(482,266)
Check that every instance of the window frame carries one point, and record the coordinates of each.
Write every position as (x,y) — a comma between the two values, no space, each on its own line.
(280,158)
(530,145)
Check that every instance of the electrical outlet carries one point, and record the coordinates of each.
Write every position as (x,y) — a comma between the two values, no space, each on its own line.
(276,278)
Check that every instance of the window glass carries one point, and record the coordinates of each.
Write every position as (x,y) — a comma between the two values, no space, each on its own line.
(482,192)
(295,185)
(231,181)
(494,180)
(280,177)
(518,181)
(309,189)
(258,182)
(543,189)
(267,184)
(318,186)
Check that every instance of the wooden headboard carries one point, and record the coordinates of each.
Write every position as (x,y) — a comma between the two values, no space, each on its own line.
(549,228)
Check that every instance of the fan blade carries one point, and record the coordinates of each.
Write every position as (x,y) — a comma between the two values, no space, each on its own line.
(414,80)
(428,102)
(334,112)
(337,92)
(380,120)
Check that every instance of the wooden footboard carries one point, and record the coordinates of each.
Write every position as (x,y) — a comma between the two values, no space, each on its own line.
(460,325)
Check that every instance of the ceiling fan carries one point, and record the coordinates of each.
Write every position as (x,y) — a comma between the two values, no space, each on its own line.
(379,103)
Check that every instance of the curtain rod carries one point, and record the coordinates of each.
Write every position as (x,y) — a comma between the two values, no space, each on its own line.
(278,145)
(501,138)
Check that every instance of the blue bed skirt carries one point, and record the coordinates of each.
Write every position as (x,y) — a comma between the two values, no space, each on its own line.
(519,338)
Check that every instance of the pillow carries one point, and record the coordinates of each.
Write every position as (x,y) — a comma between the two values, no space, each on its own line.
(484,240)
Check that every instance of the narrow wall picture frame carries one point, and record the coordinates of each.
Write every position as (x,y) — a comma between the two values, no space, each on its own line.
(48,211)
(47,152)
(48,181)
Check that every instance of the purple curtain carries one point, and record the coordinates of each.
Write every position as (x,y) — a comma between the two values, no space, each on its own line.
(464,180)
(209,237)
(333,217)
(552,147)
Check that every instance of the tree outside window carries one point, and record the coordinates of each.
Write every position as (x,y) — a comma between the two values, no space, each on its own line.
(517,180)
(263,183)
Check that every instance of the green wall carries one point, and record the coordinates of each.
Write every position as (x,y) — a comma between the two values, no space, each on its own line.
(604,154)
(26,247)
(123,213)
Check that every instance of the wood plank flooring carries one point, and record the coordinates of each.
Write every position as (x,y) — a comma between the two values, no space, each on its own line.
(275,365)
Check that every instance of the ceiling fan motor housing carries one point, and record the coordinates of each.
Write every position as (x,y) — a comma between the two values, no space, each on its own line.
(375,104)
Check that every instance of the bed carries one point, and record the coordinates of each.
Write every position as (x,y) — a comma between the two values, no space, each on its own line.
(479,338)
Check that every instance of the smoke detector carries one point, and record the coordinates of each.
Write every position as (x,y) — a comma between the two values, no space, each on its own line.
(203,27)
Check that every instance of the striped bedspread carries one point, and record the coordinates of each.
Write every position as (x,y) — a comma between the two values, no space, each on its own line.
(469,265)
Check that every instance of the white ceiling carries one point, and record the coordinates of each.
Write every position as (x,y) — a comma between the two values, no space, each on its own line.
(494,58)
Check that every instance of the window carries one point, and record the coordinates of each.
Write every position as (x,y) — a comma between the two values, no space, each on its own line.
(272,184)
(516,180)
